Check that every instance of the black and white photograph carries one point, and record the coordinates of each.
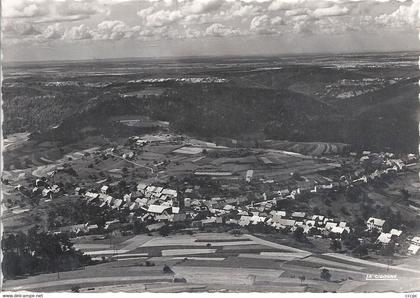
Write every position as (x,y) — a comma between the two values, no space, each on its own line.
(210,146)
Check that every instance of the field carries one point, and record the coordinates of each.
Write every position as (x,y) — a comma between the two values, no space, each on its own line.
(279,268)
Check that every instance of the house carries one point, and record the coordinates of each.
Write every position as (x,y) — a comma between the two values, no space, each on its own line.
(210,220)
(158,190)
(170,192)
(244,220)
(395,232)
(155,226)
(127,197)
(112,224)
(228,207)
(104,189)
(257,219)
(117,203)
(39,182)
(411,157)
(164,217)
(141,201)
(177,217)
(55,188)
(342,224)
(92,228)
(141,187)
(384,238)
(339,230)
(46,192)
(77,190)
(375,223)
(249,175)
(415,240)
(298,214)
(318,217)
(157,208)
(284,192)
(106,199)
(284,223)
(175,210)
(413,249)
(363,158)
(91,195)
(134,206)
(330,225)
(278,214)
(366,152)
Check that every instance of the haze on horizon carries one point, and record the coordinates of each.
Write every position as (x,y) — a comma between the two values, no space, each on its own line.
(38,30)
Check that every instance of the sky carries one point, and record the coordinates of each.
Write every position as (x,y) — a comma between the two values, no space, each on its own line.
(98,29)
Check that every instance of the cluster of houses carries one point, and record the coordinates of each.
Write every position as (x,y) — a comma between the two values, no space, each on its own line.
(42,189)
(384,164)
(393,235)
(153,199)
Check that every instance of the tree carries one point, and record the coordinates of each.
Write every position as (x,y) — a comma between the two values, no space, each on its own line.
(404,193)
(298,234)
(167,269)
(389,249)
(351,241)
(302,278)
(164,231)
(361,250)
(335,245)
(325,274)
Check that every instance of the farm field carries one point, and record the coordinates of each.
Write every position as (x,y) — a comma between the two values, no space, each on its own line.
(205,272)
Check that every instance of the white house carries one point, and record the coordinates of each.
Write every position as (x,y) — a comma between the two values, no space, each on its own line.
(395,232)
(375,223)
(104,189)
(416,240)
(413,249)
(384,238)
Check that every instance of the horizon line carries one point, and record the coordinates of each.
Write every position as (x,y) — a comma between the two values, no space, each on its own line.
(182,57)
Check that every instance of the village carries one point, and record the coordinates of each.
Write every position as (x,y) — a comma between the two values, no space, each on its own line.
(251,199)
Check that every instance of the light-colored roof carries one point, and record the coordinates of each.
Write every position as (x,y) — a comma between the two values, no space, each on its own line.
(330,225)
(175,210)
(395,232)
(156,226)
(376,221)
(384,238)
(278,213)
(117,203)
(285,222)
(169,192)
(157,208)
(413,249)
(310,223)
(141,186)
(318,217)
(298,214)
(339,230)
(342,224)
(416,240)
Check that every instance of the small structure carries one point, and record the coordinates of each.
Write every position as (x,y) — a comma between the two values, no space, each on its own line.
(416,240)
(384,238)
(104,189)
(413,249)
(249,175)
(298,215)
(395,232)
(375,223)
